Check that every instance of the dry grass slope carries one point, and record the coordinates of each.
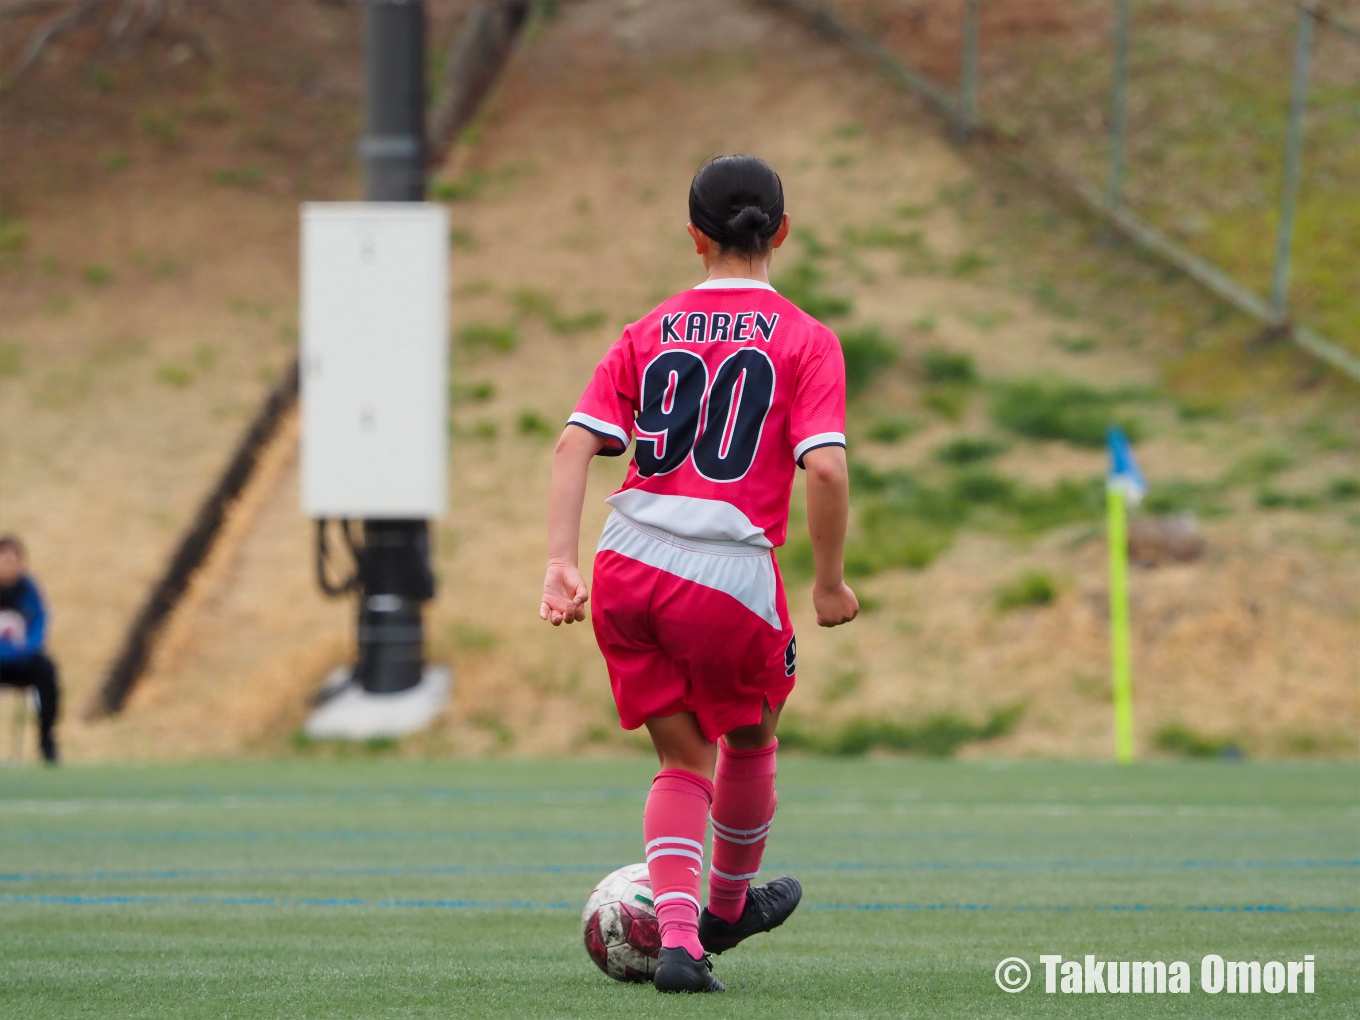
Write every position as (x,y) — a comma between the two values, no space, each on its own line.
(567,204)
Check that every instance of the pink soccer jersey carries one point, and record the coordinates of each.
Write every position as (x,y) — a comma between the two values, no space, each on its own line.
(725,388)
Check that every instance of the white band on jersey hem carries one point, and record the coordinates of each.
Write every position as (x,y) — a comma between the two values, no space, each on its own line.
(674,839)
(734,283)
(820,439)
(605,428)
(666,897)
(731,878)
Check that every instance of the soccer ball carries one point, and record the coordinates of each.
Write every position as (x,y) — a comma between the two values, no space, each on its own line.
(619,925)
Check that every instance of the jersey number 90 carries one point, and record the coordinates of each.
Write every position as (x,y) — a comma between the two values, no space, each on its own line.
(718,426)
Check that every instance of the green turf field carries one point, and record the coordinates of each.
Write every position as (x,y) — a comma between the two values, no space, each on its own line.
(452,889)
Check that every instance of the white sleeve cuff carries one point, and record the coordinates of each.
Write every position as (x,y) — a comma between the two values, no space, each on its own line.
(820,439)
(599,426)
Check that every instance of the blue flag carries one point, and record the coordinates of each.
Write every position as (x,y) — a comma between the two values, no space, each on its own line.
(1124,474)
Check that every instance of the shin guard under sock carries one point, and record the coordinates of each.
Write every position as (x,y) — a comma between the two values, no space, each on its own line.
(743,808)
(673,827)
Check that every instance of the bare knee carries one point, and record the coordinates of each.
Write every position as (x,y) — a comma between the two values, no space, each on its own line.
(753,738)
(681,744)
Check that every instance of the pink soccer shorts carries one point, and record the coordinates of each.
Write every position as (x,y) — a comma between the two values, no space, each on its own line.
(690,626)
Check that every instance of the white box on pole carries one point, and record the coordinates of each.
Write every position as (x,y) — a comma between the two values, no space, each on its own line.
(374,359)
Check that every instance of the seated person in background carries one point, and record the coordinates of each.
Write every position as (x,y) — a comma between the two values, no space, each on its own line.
(23,623)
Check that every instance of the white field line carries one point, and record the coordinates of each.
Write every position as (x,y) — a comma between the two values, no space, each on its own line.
(73,806)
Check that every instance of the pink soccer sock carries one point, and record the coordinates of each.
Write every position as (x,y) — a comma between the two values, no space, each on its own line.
(743,808)
(673,826)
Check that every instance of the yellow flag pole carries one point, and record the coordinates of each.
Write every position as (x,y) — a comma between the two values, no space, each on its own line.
(1117,530)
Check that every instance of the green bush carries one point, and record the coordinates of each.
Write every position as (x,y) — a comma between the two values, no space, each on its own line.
(802,284)
(1344,488)
(882,236)
(1270,498)
(902,521)
(795,558)
(969,450)
(1067,411)
(969,263)
(13,235)
(984,486)
(478,392)
(11,359)
(912,548)
(1066,501)
(946,401)
(1181,496)
(1180,739)
(531,423)
(938,735)
(469,187)
(533,302)
(942,366)
(866,354)
(97,276)
(1258,467)
(173,375)
(1199,410)
(484,334)
(239,177)
(1082,344)
(812,244)
(892,430)
(1032,588)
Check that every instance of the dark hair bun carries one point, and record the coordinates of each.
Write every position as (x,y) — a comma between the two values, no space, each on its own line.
(751,220)
(738,201)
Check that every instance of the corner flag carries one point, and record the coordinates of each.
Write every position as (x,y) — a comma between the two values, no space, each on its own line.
(1124,484)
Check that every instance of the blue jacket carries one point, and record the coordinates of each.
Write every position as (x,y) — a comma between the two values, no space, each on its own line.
(25,599)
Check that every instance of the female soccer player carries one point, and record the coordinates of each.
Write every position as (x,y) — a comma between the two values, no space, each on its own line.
(726,388)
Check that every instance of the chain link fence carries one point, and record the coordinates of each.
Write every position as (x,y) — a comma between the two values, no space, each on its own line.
(1223,135)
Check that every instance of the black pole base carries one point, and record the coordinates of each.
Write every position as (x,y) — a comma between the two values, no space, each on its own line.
(395,578)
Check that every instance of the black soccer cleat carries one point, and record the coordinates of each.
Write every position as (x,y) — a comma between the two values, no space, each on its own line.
(49,749)
(767,907)
(677,971)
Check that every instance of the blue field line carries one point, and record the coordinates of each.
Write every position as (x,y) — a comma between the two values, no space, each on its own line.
(443,904)
(504,835)
(163,874)
(426,835)
(199,797)
(319,836)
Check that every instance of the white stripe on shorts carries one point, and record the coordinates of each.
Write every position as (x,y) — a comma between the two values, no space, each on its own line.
(745,572)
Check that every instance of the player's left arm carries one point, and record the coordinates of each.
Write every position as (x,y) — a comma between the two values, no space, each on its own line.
(564,590)
(828,512)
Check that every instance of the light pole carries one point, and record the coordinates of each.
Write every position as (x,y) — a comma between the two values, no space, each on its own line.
(394,569)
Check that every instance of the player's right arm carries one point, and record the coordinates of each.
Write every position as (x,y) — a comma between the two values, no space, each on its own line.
(828,511)
(601,424)
(564,590)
